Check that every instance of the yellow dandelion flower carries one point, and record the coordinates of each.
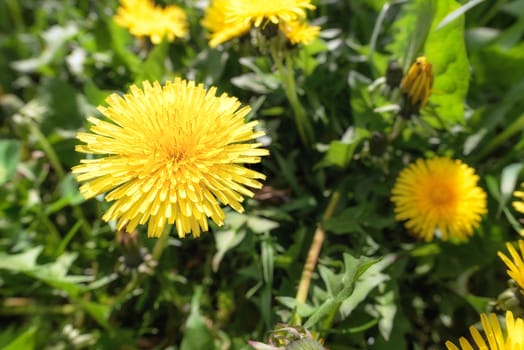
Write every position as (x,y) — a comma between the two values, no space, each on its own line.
(299,32)
(172,154)
(511,339)
(439,193)
(215,22)
(519,205)
(256,12)
(516,263)
(417,83)
(143,18)
(227,19)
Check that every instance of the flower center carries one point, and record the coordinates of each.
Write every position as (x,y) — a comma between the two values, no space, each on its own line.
(176,156)
(442,195)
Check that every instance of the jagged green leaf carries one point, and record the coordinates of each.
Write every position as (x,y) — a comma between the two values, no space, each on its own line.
(411,30)
(446,50)
(343,288)
(54,274)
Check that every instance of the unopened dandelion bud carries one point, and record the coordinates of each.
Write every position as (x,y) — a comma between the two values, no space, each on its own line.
(286,337)
(416,86)
(510,299)
(305,344)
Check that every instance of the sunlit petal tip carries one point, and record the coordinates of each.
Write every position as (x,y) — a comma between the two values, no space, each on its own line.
(509,336)
(515,262)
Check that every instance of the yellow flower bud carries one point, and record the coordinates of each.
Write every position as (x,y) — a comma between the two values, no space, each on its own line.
(417,83)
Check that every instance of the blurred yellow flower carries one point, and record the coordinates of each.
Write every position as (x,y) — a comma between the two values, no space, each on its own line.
(512,339)
(439,194)
(143,18)
(519,205)
(417,83)
(516,263)
(227,19)
(256,12)
(172,155)
(215,21)
(299,32)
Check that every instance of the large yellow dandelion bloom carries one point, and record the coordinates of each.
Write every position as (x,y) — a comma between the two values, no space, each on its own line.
(143,18)
(516,263)
(227,19)
(172,154)
(511,339)
(439,194)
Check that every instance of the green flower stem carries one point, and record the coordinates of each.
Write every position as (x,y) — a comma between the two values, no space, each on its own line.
(53,235)
(60,172)
(312,257)
(397,128)
(15,15)
(34,309)
(137,279)
(161,243)
(499,139)
(330,318)
(48,150)
(287,76)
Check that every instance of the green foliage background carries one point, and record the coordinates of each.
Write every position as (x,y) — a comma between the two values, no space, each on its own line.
(67,281)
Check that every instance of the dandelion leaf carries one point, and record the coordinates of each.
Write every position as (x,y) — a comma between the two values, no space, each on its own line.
(411,30)
(197,335)
(446,50)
